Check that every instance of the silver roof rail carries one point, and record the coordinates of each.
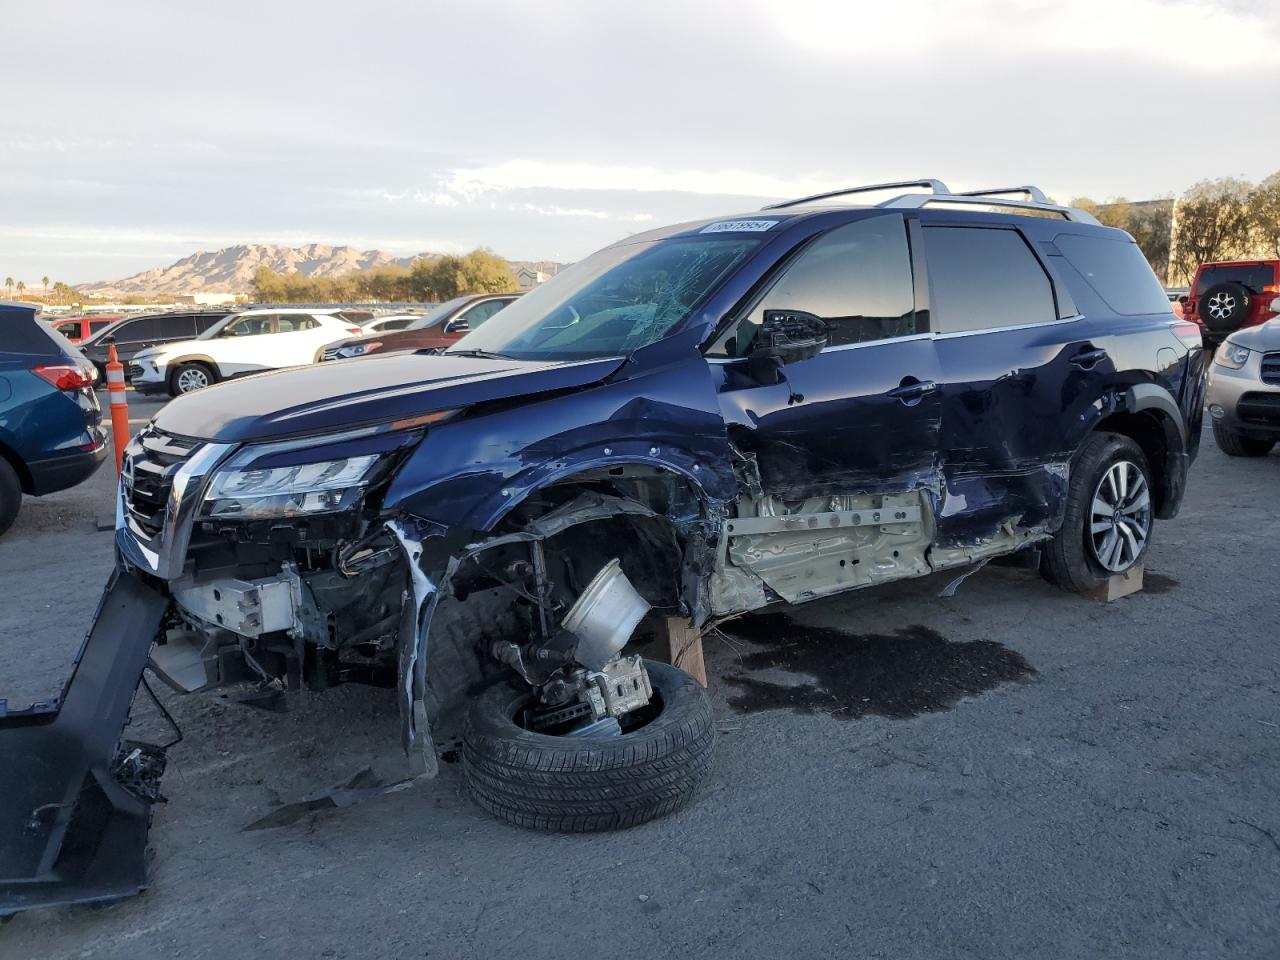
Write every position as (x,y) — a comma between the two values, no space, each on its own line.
(937,186)
(941,194)
(1034,194)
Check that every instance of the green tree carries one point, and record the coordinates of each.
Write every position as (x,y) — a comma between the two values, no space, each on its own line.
(482,271)
(44,282)
(1214,222)
(8,282)
(21,286)
(267,286)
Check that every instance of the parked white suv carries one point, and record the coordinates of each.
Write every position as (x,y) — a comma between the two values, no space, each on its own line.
(247,342)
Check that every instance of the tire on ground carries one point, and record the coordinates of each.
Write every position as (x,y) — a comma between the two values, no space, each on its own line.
(1234,445)
(10,495)
(175,390)
(581,784)
(1067,561)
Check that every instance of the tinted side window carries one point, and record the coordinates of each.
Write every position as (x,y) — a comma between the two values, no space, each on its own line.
(96,325)
(136,331)
(482,312)
(856,277)
(206,320)
(1117,271)
(175,328)
(981,277)
(69,328)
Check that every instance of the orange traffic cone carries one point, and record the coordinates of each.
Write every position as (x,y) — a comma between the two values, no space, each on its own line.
(119,404)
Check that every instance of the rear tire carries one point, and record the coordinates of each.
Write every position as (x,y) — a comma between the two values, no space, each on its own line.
(1234,445)
(190,377)
(1071,560)
(10,495)
(581,784)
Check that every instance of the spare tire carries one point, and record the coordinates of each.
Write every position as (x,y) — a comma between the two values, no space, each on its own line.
(1224,307)
(566,784)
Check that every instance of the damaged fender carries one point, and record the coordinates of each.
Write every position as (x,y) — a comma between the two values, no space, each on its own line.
(70,832)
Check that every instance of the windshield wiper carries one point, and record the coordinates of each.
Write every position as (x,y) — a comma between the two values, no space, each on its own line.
(482,354)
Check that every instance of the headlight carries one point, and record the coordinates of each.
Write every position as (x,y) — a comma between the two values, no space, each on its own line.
(1231,355)
(243,492)
(358,349)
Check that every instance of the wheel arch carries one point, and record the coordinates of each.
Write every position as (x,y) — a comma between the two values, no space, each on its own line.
(1149,416)
(19,465)
(202,358)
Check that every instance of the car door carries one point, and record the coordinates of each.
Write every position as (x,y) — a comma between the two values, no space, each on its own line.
(1019,370)
(840,455)
(134,336)
(246,345)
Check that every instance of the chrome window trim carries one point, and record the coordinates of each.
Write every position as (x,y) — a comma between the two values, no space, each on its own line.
(931,335)
(1017,326)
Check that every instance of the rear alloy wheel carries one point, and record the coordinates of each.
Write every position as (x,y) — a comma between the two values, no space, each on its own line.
(1107,523)
(188,378)
(10,495)
(576,784)
(1234,445)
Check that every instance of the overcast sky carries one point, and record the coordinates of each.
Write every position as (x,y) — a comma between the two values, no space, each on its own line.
(136,133)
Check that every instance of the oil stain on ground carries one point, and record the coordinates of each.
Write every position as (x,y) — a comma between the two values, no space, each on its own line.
(1157,583)
(911,671)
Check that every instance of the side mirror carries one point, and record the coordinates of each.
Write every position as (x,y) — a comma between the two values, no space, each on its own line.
(457,326)
(790,336)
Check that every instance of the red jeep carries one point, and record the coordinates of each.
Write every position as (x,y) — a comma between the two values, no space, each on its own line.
(1231,294)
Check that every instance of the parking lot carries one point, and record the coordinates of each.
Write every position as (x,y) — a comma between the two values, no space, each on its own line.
(1011,771)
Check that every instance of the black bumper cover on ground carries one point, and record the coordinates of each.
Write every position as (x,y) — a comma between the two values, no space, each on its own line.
(69,832)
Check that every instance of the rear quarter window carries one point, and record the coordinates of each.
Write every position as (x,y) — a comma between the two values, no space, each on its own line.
(1117,271)
(21,333)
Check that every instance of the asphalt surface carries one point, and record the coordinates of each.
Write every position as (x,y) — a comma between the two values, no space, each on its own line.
(1011,772)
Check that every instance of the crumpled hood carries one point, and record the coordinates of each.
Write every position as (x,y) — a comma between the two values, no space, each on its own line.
(335,396)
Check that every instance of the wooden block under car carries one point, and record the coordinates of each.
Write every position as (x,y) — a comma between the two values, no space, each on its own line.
(1119,585)
(684,646)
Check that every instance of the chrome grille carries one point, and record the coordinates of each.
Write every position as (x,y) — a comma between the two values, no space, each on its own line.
(147,475)
(132,370)
(330,353)
(1271,368)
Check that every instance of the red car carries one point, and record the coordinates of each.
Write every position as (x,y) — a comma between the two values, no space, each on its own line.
(439,327)
(1231,294)
(81,328)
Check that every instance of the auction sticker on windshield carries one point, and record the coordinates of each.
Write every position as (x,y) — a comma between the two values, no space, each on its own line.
(739,226)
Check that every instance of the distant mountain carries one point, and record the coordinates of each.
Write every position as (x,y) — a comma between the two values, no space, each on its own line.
(231,270)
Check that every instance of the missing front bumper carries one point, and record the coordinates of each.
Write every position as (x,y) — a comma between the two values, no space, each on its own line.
(70,832)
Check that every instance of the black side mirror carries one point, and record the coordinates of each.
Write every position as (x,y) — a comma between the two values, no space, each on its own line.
(790,336)
(457,326)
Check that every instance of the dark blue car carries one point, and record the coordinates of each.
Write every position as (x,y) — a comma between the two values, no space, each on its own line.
(51,434)
(691,424)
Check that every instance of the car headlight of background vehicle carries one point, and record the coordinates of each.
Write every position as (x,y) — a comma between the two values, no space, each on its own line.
(1231,355)
(358,349)
(240,490)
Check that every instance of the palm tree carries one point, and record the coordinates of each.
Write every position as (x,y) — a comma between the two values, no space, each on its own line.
(8,282)
(44,282)
(21,286)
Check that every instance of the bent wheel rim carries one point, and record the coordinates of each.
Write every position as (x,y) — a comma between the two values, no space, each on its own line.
(1120,516)
(189,380)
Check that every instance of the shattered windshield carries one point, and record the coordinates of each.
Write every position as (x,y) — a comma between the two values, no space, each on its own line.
(615,301)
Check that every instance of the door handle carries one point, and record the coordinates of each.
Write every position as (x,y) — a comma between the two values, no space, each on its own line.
(1087,358)
(911,393)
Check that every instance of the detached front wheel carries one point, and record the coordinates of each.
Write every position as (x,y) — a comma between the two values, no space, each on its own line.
(577,784)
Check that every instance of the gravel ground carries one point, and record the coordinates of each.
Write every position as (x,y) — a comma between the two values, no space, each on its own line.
(1010,772)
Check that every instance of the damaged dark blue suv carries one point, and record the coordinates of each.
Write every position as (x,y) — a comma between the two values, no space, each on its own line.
(703,419)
